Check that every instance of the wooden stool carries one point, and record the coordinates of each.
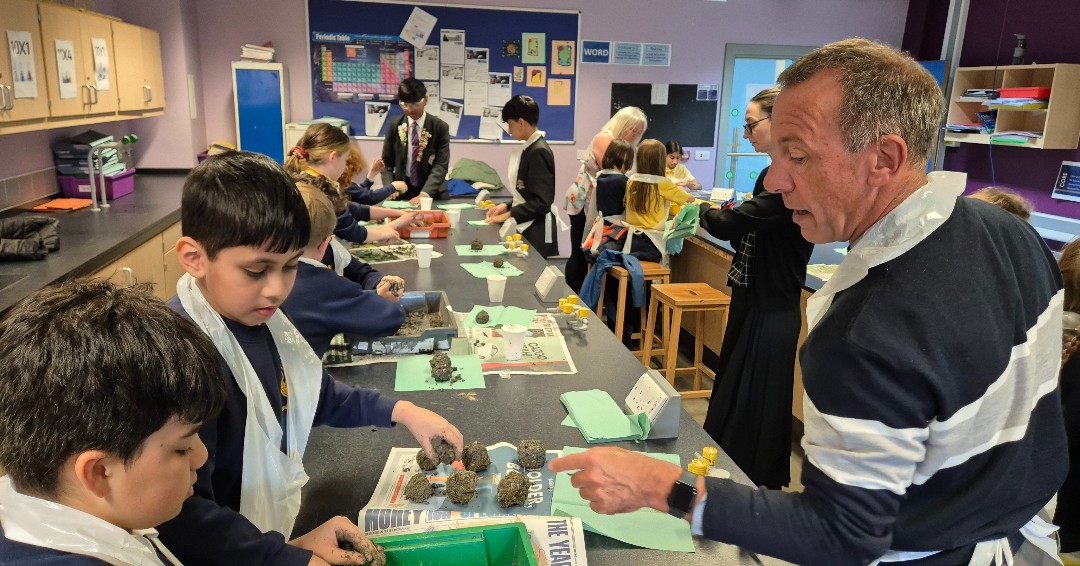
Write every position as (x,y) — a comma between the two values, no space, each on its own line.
(679,298)
(651,271)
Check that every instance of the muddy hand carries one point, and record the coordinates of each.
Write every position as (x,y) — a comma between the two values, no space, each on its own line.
(357,546)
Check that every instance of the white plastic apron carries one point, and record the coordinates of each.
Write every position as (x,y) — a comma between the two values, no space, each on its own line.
(911,222)
(271,480)
(342,257)
(512,170)
(47,524)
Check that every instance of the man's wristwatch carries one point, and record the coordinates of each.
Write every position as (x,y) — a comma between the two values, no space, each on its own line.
(683,494)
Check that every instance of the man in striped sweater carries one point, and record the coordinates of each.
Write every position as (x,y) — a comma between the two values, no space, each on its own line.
(933,429)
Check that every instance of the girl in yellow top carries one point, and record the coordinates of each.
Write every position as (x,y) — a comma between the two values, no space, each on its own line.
(677,172)
(649,193)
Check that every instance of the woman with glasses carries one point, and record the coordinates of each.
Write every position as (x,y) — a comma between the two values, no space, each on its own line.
(750,412)
(627,124)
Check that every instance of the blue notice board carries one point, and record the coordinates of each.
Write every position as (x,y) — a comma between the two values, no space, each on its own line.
(260,112)
(358,57)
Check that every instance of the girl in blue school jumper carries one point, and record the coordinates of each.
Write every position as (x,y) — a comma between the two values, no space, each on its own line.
(324,304)
(361,193)
(322,155)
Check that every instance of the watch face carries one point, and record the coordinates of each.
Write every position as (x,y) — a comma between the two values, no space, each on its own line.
(681,498)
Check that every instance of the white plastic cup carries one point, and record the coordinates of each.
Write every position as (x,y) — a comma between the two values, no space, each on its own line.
(423,255)
(454,214)
(425,203)
(515,339)
(496,287)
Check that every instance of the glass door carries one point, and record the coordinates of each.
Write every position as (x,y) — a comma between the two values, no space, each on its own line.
(747,70)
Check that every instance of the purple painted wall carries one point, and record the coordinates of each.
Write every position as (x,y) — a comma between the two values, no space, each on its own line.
(1052,38)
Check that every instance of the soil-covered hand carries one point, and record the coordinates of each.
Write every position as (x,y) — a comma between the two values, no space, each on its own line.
(407,218)
(616,480)
(425,425)
(339,541)
(386,233)
(391,287)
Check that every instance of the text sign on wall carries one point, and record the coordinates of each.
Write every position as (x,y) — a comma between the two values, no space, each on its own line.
(595,51)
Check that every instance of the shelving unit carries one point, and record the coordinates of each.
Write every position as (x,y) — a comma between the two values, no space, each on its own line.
(1059,122)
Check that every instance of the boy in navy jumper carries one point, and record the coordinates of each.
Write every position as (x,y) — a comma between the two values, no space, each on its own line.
(104,389)
(245,227)
(324,304)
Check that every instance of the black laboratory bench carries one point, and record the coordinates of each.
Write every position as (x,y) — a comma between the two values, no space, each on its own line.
(345,465)
(90,241)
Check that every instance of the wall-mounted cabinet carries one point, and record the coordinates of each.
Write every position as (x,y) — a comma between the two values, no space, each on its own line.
(1059,122)
(83,65)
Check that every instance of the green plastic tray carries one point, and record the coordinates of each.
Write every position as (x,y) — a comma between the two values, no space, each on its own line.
(492,545)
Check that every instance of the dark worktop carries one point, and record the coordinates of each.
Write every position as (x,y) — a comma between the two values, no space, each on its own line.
(345,465)
(823,253)
(91,240)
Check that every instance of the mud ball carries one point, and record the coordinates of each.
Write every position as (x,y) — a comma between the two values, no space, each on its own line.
(444,450)
(461,486)
(441,369)
(513,489)
(425,463)
(396,287)
(532,454)
(419,489)
(498,263)
(477,245)
(475,457)
(482,317)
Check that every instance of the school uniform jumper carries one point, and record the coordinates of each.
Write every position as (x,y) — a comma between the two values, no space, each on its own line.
(749,413)
(363,193)
(536,184)
(210,528)
(610,194)
(323,304)
(932,415)
(434,160)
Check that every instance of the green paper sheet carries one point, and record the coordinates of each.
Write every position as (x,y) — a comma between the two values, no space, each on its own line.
(647,528)
(457,205)
(600,419)
(414,373)
(484,268)
(500,316)
(489,249)
(477,223)
(399,204)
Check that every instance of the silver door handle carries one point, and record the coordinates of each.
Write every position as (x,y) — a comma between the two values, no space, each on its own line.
(131,280)
(94,90)
(87,101)
(7,101)
(148,93)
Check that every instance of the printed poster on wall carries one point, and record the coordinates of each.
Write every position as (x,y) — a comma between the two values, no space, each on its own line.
(558,92)
(452,46)
(376,117)
(418,27)
(476,65)
(535,76)
(21,49)
(489,124)
(65,68)
(626,53)
(498,89)
(427,63)
(433,98)
(452,81)
(451,112)
(101,62)
(475,98)
(519,74)
(562,57)
(656,54)
(532,48)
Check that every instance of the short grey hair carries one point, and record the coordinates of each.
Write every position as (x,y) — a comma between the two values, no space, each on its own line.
(884,92)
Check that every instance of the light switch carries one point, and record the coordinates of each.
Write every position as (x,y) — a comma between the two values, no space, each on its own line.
(701,155)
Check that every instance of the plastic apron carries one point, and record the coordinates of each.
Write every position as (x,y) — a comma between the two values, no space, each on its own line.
(342,257)
(654,234)
(892,236)
(512,170)
(271,480)
(48,524)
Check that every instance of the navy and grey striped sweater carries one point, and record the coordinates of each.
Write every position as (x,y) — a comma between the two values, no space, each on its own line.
(932,413)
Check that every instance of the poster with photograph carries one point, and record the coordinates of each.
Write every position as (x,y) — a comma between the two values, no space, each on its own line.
(562,57)
(65,68)
(535,76)
(21,49)
(491,124)
(433,98)
(452,81)
(475,98)
(498,89)
(476,64)
(451,112)
(533,48)
(452,46)
(418,27)
(376,113)
(427,63)
(558,92)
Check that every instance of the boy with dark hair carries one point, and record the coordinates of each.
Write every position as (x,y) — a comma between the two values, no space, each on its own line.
(416,149)
(104,389)
(245,227)
(532,170)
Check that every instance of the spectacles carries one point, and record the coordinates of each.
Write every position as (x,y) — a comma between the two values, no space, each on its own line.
(411,105)
(749,126)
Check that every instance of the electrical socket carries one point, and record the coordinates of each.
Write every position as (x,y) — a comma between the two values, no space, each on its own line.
(701,155)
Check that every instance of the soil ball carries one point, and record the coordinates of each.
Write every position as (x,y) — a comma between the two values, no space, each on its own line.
(513,489)
(441,369)
(419,489)
(475,457)
(461,486)
(444,450)
(425,463)
(498,262)
(482,317)
(532,454)
(477,245)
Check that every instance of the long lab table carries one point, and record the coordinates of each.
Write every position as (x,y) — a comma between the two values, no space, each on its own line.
(345,465)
